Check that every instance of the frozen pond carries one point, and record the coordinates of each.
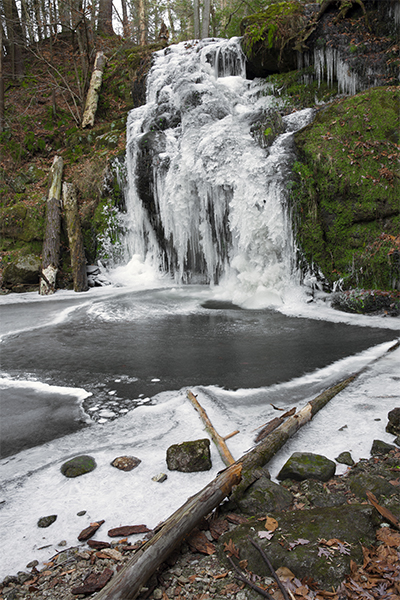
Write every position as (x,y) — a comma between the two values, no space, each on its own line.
(106,374)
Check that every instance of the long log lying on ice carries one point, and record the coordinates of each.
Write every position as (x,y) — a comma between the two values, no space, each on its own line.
(51,242)
(75,238)
(239,476)
(127,584)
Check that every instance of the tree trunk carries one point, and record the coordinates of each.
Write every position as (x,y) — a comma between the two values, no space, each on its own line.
(75,237)
(125,21)
(51,243)
(1,82)
(205,27)
(104,22)
(142,22)
(92,97)
(127,584)
(196,19)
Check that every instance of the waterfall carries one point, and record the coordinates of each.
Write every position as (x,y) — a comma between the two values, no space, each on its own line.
(206,202)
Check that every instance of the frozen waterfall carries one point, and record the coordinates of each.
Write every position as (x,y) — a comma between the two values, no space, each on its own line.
(206,201)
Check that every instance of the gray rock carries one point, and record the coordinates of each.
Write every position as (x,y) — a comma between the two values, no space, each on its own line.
(349,523)
(394,421)
(380,448)
(345,458)
(189,457)
(25,270)
(397,440)
(126,463)
(265,496)
(319,496)
(46,521)
(78,466)
(361,482)
(305,465)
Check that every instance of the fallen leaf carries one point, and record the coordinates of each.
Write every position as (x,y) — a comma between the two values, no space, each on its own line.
(231,549)
(268,535)
(389,537)
(198,542)
(243,564)
(271,524)
(285,574)
(220,576)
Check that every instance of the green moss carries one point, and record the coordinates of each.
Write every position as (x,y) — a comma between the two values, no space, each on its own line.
(347,188)
(272,27)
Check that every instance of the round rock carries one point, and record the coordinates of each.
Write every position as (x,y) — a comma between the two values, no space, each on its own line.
(305,465)
(46,521)
(78,466)
(126,463)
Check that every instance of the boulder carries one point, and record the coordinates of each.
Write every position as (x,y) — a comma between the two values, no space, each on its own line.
(305,465)
(344,458)
(25,270)
(78,466)
(297,543)
(379,448)
(265,496)
(189,457)
(394,421)
(361,482)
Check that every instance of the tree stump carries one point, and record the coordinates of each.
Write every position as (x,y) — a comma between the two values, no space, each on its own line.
(51,242)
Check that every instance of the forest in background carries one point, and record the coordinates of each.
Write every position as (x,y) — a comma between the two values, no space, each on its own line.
(48,51)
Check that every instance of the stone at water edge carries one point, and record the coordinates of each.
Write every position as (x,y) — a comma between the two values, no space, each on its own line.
(394,421)
(380,448)
(189,457)
(126,463)
(46,521)
(305,465)
(78,466)
(345,458)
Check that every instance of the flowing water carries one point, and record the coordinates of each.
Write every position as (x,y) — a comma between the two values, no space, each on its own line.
(106,373)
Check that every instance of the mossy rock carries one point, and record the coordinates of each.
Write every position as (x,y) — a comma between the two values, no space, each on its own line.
(305,465)
(269,38)
(361,482)
(46,521)
(24,270)
(190,457)
(319,496)
(264,496)
(352,524)
(78,466)
(379,448)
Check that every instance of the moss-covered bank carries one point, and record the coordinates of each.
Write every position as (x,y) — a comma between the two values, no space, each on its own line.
(347,200)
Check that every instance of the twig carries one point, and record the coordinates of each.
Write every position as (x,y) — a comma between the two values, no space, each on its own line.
(270,567)
(247,581)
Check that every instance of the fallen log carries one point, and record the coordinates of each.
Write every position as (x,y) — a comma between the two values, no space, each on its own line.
(51,242)
(237,477)
(127,584)
(218,440)
(75,237)
(92,97)
(271,425)
(254,461)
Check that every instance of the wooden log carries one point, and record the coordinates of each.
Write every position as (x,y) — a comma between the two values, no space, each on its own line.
(92,97)
(51,242)
(127,584)
(216,438)
(75,237)
(258,457)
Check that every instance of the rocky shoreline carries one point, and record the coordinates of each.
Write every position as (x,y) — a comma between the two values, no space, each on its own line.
(316,534)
